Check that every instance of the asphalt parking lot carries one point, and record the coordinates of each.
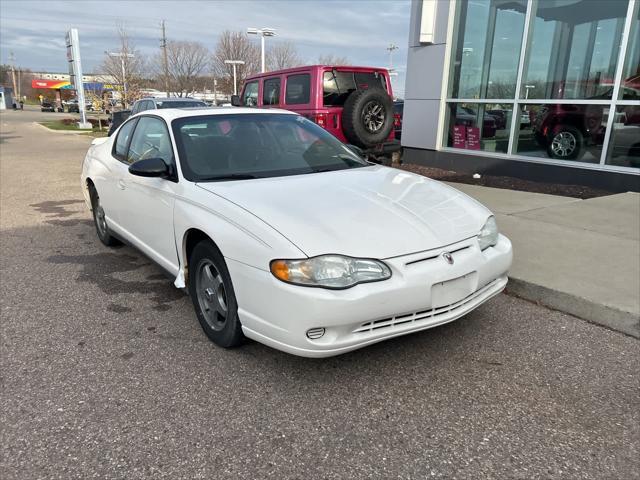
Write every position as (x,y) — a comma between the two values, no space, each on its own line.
(106,373)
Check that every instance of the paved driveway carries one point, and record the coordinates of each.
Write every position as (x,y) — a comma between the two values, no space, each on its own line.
(106,374)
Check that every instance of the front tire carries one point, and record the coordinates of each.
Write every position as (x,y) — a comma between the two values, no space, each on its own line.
(102,229)
(213,297)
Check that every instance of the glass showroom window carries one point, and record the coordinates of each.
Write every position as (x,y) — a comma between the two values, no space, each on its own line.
(573,49)
(563,131)
(487,49)
(630,87)
(624,144)
(479,126)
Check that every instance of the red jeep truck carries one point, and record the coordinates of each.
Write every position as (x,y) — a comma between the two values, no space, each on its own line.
(355,104)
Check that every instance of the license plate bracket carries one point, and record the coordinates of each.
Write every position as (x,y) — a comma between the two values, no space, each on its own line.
(452,291)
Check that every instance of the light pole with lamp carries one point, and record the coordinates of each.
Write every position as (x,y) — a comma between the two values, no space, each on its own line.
(122,56)
(234,63)
(262,32)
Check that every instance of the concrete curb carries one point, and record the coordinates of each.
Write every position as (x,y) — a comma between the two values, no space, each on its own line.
(63,132)
(618,320)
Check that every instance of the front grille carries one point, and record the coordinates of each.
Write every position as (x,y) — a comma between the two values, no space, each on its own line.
(423,316)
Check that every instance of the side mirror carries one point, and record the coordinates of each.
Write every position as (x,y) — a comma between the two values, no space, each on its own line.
(150,167)
(235,100)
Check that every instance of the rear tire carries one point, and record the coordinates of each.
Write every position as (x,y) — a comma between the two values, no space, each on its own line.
(367,117)
(102,229)
(213,297)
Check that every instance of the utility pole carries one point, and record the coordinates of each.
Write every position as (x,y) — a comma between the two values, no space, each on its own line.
(391,48)
(165,61)
(12,59)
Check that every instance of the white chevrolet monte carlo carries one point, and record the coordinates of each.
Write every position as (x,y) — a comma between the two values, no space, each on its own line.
(283,234)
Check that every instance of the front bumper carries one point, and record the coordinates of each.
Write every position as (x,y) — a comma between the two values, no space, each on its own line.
(279,315)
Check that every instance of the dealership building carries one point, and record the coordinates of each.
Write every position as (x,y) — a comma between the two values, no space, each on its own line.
(540,89)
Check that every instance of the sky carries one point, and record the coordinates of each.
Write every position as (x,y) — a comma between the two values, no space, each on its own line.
(360,30)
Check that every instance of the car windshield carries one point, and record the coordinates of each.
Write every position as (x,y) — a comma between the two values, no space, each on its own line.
(244,146)
(180,104)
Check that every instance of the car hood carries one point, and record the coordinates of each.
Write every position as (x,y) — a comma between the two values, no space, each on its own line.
(373,212)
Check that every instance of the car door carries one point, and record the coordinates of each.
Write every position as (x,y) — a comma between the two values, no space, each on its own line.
(109,184)
(146,213)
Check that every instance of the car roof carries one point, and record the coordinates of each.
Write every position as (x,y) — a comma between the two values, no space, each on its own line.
(172,113)
(309,68)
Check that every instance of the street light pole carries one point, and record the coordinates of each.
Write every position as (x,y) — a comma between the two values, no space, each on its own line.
(234,63)
(262,32)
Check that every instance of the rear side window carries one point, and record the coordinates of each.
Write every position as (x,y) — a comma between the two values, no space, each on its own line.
(271,92)
(122,140)
(298,89)
(337,86)
(250,96)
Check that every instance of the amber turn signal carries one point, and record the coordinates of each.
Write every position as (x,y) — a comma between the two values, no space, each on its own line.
(280,270)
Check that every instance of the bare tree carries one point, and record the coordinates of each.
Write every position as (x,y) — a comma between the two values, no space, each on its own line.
(283,55)
(187,63)
(127,67)
(234,46)
(331,59)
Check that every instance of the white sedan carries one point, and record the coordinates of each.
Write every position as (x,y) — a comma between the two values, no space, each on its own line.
(283,234)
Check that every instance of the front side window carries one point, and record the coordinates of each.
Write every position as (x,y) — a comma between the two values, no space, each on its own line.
(271,91)
(250,96)
(298,91)
(337,86)
(237,147)
(150,140)
(122,140)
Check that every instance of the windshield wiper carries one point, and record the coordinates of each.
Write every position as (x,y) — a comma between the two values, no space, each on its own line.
(231,176)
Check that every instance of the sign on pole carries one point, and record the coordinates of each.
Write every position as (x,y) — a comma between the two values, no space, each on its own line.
(75,72)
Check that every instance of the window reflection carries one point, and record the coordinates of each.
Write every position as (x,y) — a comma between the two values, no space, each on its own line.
(487,48)
(624,145)
(563,131)
(630,89)
(574,49)
(467,132)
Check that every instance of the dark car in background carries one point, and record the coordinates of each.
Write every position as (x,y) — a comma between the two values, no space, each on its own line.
(145,104)
(48,106)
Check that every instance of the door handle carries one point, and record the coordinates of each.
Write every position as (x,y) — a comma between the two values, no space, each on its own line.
(121,184)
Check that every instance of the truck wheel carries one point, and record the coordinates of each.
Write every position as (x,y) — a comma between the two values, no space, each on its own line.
(566,143)
(367,117)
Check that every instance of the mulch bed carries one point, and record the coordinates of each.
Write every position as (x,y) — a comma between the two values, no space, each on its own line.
(509,183)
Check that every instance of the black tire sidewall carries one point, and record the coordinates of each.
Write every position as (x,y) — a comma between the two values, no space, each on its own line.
(106,238)
(579,150)
(352,125)
(231,334)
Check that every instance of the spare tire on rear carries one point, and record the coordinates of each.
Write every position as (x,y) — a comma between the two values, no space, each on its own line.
(367,117)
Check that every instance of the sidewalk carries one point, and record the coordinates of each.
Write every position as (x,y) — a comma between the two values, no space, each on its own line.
(578,256)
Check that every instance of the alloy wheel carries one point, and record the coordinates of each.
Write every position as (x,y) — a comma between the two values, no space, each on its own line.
(211,294)
(563,144)
(373,115)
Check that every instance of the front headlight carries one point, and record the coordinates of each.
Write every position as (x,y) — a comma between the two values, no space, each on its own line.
(488,236)
(330,271)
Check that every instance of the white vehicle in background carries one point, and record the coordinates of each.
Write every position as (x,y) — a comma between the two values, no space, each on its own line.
(283,234)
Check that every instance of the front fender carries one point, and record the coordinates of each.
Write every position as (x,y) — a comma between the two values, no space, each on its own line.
(240,235)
